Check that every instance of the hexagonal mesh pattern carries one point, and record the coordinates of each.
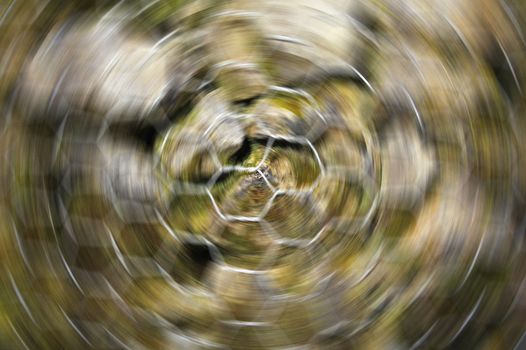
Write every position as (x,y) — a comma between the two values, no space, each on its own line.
(262,175)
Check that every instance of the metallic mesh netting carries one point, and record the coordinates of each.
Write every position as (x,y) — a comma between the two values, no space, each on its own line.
(242,174)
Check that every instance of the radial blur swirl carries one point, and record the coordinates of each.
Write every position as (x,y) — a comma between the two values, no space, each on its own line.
(262,174)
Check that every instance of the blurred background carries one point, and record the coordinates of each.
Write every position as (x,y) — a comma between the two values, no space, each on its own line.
(262,174)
